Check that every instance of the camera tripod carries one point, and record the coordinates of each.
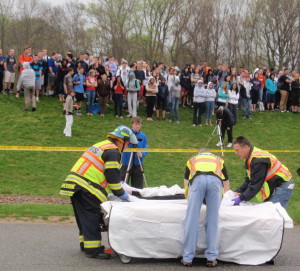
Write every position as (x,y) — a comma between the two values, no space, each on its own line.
(130,163)
(217,130)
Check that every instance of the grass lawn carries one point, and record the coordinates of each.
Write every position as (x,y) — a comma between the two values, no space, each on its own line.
(41,173)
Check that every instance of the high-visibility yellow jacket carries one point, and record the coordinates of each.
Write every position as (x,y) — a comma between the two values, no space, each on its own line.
(276,169)
(89,173)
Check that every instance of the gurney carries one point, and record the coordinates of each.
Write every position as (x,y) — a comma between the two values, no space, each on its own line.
(250,235)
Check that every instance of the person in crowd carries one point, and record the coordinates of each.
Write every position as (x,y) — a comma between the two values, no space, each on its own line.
(285,82)
(46,71)
(71,62)
(162,95)
(79,83)
(123,71)
(225,120)
(255,90)
(223,94)
(2,69)
(10,65)
(103,90)
(25,57)
(135,173)
(222,73)
(210,77)
(68,81)
(68,111)
(175,91)
(199,103)
(133,87)
(210,97)
(271,87)
(267,178)
(151,91)
(118,92)
(245,94)
(96,174)
(185,82)
(62,71)
(295,93)
(205,175)
(233,101)
(27,82)
(154,66)
(91,84)
(195,77)
(262,79)
(53,67)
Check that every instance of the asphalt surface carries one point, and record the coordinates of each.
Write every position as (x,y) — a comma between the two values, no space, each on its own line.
(39,247)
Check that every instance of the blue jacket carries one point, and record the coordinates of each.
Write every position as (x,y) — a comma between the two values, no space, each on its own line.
(271,86)
(142,143)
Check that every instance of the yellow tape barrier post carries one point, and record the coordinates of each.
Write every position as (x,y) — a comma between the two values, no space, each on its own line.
(81,149)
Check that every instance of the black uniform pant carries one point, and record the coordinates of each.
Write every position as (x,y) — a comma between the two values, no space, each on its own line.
(229,133)
(88,217)
(135,176)
(199,109)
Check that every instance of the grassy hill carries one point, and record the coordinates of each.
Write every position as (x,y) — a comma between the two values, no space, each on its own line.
(41,173)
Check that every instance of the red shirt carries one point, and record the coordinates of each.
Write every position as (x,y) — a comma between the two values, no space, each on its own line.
(262,79)
(118,89)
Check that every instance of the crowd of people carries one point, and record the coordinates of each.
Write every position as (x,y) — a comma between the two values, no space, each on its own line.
(159,87)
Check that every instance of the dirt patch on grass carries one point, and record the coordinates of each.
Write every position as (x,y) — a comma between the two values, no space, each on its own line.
(66,220)
(14,199)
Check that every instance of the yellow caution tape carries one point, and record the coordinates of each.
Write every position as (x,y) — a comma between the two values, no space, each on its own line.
(77,149)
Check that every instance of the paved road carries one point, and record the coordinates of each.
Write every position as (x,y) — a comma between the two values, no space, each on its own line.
(39,247)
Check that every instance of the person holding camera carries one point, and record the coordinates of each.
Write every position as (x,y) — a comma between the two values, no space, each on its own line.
(135,170)
(225,120)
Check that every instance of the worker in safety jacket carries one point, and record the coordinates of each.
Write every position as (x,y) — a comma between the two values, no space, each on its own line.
(205,173)
(95,175)
(267,178)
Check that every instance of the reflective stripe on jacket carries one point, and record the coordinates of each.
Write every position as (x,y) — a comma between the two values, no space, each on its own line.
(276,168)
(206,162)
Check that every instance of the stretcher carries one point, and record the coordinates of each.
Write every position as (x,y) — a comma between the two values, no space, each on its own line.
(249,235)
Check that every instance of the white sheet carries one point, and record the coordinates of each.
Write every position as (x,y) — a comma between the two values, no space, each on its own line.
(154,229)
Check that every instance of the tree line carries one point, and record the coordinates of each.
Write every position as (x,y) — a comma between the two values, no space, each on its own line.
(242,33)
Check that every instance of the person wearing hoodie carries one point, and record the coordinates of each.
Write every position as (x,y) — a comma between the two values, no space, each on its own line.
(27,82)
(199,105)
(175,91)
(223,94)
(133,86)
(271,86)
(210,96)
(162,95)
(151,91)
(123,71)
(233,101)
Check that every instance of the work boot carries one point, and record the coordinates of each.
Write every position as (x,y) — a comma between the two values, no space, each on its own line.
(101,255)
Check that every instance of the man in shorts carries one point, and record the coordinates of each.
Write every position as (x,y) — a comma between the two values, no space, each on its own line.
(10,71)
(38,69)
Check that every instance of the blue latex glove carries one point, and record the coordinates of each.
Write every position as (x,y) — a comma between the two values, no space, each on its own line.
(236,200)
(124,196)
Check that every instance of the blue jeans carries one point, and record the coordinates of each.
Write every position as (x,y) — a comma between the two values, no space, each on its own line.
(174,109)
(260,95)
(209,109)
(206,187)
(90,97)
(283,193)
(247,107)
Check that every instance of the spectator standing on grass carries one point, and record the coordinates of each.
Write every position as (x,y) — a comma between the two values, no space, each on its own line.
(123,71)
(53,67)
(285,82)
(246,97)
(175,91)
(133,87)
(162,95)
(271,87)
(10,65)
(255,90)
(68,111)
(151,91)
(185,82)
(262,79)
(25,57)
(79,82)
(2,69)
(225,120)
(223,94)
(91,84)
(62,71)
(37,66)
(210,97)
(295,93)
(68,81)
(199,103)
(27,82)
(46,70)
(82,63)
(118,92)
(103,91)
(233,101)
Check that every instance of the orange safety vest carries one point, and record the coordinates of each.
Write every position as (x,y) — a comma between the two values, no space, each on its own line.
(276,169)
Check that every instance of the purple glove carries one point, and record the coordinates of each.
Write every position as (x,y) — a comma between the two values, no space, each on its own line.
(236,200)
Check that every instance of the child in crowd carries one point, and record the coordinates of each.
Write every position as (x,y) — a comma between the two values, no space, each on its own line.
(175,91)
(91,84)
(210,96)
(68,112)
(199,105)
(79,82)
(68,81)
(233,101)
(255,90)
(246,97)
(162,95)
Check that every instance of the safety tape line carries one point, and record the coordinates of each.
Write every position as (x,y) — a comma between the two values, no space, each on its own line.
(77,149)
